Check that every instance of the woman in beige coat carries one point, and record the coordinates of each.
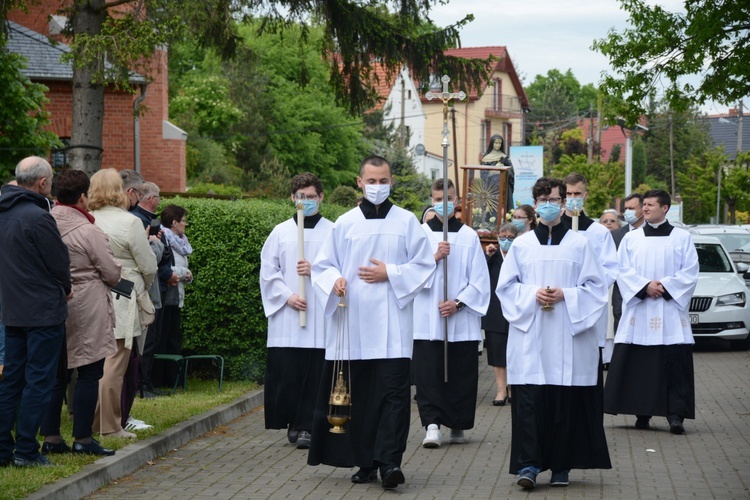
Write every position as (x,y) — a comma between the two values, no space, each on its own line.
(129,243)
(91,319)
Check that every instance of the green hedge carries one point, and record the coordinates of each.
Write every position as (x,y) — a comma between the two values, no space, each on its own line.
(223,312)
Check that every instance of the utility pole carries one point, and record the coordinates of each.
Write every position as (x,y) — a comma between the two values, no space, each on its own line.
(739,127)
(599,112)
(591,132)
(671,152)
(403,111)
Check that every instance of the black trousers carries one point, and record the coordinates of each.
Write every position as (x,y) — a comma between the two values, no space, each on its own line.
(163,374)
(85,397)
(381,407)
(149,348)
(291,386)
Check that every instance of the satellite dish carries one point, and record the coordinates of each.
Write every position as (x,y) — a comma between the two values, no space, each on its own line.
(419,149)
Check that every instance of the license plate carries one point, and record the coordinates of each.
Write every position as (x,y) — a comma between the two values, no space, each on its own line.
(694,319)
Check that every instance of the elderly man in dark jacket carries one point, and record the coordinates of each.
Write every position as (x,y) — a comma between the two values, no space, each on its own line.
(34,288)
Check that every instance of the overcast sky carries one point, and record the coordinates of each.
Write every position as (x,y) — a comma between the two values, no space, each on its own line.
(545,34)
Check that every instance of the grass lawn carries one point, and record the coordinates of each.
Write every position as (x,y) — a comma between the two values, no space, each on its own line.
(162,413)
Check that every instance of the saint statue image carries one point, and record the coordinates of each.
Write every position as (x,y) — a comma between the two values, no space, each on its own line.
(495,155)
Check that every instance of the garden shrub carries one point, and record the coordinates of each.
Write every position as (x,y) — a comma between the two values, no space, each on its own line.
(223,312)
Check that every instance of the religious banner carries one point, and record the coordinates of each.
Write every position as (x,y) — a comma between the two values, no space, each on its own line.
(528,163)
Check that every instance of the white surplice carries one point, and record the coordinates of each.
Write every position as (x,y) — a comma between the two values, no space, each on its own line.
(557,347)
(673,261)
(468,281)
(604,248)
(279,280)
(380,314)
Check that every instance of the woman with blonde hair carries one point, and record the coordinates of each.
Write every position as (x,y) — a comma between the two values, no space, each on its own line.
(129,243)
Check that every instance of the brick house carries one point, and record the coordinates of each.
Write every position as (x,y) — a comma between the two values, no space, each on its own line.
(149,144)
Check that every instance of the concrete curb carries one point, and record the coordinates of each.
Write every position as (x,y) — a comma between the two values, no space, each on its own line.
(134,456)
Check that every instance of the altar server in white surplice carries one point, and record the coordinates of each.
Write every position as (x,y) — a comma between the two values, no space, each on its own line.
(553,355)
(576,189)
(653,356)
(295,353)
(452,403)
(379,258)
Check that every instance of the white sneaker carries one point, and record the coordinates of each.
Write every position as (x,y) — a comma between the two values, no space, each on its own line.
(133,424)
(432,438)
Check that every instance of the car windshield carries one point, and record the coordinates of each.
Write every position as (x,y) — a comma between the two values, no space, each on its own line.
(712,258)
(734,242)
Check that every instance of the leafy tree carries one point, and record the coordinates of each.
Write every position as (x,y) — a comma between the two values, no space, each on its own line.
(709,40)
(639,161)
(355,34)
(698,185)
(346,196)
(557,100)
(606,181)
(22,115)
(689,136)
(735,187)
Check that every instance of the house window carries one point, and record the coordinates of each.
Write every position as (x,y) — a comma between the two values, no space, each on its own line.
(434,174)
(59,158)
(408,133)
(483,138)
(408,93)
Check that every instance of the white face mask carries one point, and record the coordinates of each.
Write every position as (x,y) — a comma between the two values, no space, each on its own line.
(377,193)
(630,216)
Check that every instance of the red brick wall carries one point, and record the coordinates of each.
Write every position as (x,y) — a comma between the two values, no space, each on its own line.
(162,161)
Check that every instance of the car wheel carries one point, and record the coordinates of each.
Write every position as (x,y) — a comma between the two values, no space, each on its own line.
(740,345)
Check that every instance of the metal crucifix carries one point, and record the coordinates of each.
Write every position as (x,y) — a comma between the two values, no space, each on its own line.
(446,97)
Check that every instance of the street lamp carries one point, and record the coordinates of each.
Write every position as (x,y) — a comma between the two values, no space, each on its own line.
(629,152)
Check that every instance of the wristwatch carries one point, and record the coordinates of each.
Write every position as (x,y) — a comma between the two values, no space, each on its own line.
(459,305)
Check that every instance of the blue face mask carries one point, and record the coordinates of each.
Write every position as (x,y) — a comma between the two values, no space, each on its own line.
(519,224)
(548,211)
(630,216)
(438,208)
(574,204)
(309,207)
(504,243)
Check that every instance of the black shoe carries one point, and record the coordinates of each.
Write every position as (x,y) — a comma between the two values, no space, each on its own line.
(5,462)
(92,448)
(643,423)
(291,435)
(365,475)
(675,425)
(61,447)
(303,440)
(499,402)
(392,476)
(39,461)
(153,392)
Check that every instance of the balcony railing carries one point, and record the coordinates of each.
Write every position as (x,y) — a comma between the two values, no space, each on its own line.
(504,106)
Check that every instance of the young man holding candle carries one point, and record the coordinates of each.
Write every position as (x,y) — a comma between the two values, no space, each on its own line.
(295,352)
(552,290)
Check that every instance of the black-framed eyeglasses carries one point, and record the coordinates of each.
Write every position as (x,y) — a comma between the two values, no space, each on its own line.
(551,200)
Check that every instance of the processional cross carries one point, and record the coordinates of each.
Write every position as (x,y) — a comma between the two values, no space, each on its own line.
(446,96)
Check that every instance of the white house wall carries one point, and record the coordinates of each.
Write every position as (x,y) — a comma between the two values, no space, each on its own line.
(414,117)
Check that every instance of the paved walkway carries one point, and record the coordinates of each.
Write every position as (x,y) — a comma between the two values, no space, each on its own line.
(712,460)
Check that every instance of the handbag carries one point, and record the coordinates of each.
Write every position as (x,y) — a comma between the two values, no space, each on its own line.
(146,309)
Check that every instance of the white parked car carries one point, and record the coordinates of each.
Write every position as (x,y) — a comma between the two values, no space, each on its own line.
(719,308)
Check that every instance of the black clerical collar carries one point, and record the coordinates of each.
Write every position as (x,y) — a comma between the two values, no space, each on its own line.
(663,229)
(437,225)
(309,221)
(542,233)
(370,211)
(584,221)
